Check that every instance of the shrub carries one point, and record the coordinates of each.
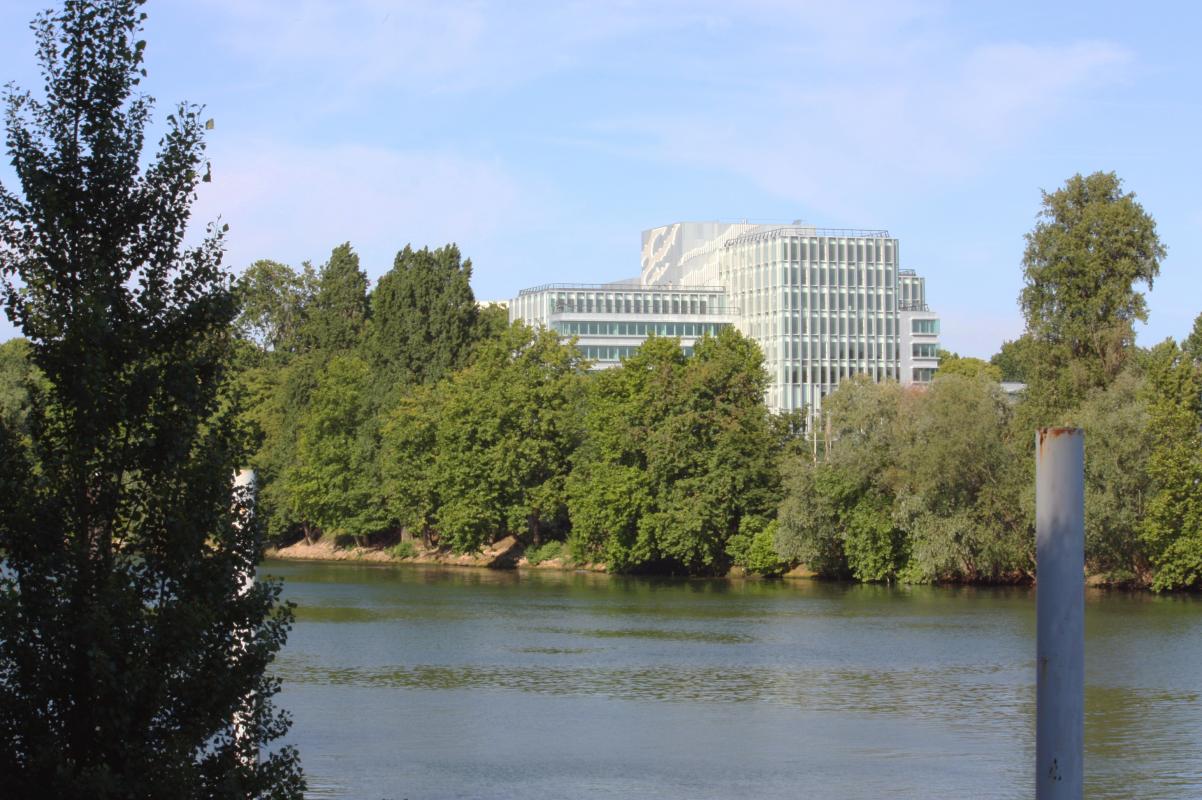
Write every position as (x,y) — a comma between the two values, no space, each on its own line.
(402,550)
(545,552)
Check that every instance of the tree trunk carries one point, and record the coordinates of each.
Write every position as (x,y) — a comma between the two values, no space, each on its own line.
(536,534)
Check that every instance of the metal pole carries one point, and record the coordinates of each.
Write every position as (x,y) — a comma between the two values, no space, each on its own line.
(1060,613)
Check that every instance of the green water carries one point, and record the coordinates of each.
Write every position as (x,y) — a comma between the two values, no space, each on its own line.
(412,682)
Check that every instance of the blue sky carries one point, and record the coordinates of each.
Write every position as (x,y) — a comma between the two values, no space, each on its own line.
(543,137)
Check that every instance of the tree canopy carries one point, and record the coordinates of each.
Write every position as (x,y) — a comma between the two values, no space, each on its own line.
(1092,244)
(133,656)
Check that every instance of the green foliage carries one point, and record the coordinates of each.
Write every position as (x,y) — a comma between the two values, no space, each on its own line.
(21,382)
(754,547)
(912,485)
(678,451)
(491,323)
(424,316)
(1172,525)
(274,300)
(957,501)
(1193,343)
(546,552)
(331,480)
(133,659)
(1092,244)
(1117,483)
(405,549)
(1013,358)
(968,367)
(339,308)
(486,452)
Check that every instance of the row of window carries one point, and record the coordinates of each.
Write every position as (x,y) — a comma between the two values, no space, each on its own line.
(602,352)
(925,326)
(812,276)
(829,350)
(634,303)
(769,300)
(691,329)
(925,350)
(923,374)
(833,373)
(812,249)
(767,327)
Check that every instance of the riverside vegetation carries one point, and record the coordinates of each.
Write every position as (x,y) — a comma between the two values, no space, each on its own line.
(406,408)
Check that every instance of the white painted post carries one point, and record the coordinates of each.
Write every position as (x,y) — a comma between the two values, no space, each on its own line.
(1060,613)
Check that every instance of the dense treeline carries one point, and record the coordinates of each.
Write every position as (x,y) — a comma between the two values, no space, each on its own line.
(406,410)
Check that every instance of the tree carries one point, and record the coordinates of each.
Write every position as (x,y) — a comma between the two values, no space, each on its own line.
(1117,482)
(1193,343)
(954,496)
(339,307)
(953,364)
(836,516)
(1171,528)
(1092,244)
(132,658)
(488,452)
(423,315)
(274,300)
(1014,358)
(678,456)
(18,378)
(331,480)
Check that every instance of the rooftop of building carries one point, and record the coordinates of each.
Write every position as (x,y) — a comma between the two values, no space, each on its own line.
(621,286)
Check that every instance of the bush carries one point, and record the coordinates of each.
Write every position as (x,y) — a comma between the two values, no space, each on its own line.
(545,552)
(402,550)
(753,548)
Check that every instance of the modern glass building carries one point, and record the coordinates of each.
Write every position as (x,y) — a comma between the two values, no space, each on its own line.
(610,320)
(823,304)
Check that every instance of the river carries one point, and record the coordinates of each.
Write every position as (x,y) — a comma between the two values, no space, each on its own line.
(427,682)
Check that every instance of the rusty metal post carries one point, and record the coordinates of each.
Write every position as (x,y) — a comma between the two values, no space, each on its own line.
(1060,613)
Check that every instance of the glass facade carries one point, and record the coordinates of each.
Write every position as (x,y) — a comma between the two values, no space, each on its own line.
(610,321)
(822,304)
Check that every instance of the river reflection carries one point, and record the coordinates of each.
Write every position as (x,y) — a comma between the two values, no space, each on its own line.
(426,682)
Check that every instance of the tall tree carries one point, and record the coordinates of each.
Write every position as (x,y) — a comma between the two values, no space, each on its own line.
(132,657)
(1090,247)
(339,308)
(423,315)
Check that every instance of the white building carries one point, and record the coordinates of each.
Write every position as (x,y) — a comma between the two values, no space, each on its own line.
(822,304)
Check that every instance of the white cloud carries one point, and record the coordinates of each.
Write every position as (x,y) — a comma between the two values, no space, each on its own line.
(292,203)
(916,122)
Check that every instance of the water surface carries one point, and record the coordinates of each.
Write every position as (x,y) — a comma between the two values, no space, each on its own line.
(426,682)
